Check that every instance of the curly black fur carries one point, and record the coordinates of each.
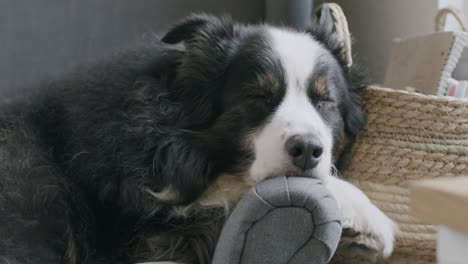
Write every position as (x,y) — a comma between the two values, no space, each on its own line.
(78,155)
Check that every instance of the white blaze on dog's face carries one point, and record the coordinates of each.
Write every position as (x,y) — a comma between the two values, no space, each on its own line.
(266,101)
(296,140)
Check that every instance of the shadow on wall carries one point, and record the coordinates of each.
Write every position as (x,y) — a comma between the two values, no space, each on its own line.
(375,23)
(41,39)
(46,38)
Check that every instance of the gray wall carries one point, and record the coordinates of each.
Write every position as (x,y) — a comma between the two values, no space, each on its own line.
(43,38)
(375,23)
(295,13)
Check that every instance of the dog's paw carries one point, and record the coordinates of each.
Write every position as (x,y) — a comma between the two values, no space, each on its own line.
(365,244)
(367,231)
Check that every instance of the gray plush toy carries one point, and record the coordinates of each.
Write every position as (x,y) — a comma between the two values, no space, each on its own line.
(282,220)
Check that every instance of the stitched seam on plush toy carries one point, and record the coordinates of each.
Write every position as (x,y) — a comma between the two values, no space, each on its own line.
(269,211)
(312,236)
(287,191)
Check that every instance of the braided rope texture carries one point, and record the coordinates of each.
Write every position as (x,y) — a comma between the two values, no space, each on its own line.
(408,137)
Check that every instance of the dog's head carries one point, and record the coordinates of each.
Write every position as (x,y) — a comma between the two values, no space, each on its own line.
(267,101)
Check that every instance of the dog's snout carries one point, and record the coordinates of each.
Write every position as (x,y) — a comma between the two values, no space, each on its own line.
(305,151)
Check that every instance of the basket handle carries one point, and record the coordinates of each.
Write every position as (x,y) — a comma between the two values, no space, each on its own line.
(441,18)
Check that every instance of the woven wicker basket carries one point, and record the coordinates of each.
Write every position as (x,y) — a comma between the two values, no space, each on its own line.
(408,137)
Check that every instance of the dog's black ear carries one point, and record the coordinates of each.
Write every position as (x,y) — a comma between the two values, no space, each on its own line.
(188,28)
(354,115)
(208,49)
(331,28)
(324,20)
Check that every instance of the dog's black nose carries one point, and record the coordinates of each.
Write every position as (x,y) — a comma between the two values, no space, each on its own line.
(305,151)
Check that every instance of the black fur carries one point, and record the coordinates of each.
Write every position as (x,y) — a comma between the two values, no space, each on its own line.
(355,79)
(78,155)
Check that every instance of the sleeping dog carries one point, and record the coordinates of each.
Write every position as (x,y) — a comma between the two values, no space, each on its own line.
(141,157)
